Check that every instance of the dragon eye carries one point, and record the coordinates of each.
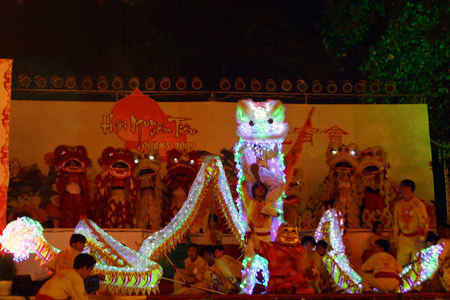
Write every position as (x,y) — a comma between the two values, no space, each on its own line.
(192,162)
(270,121)
(175,160)
(136,160)
(151,157)
(251,123)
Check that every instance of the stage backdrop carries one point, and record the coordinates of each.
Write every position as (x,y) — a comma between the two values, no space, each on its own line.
(37,127)
(5,99)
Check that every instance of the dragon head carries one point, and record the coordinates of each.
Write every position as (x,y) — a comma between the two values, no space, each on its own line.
(261,121)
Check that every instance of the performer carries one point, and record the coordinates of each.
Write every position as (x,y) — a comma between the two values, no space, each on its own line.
(218,275)
(259,223)
(70,285)
(382,270)
(116,192)
(72,184)
(62,263)
(287,262)
(193,273)
(440,281)
(149,205)
(410,223)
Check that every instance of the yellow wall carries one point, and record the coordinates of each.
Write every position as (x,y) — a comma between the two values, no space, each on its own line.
(37,127)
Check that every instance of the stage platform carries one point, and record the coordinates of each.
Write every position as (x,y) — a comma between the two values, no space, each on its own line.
(368,296)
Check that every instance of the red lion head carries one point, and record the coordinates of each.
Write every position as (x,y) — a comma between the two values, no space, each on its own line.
(119,161)
(71,158)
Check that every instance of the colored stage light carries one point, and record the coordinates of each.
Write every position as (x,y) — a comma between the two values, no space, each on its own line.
(302,86)
(224,84)
(239,84)
(40,82)
(71,82)
(331,87)
(56,81)
(347,86)
(165,83)
(196,83)
(117,83)
(316,86)
(102,83)
(286,85)
(24,81)
(255,85)
(271,85)
(375,86)
(360,86)
(133,83)
(181,83)
(390,87)
(86,83)
(150,83)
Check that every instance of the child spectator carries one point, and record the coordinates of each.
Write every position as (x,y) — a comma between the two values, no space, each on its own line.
(233,264)
(314,262)
(211,235)
(193,273)
(218,275)
(381,270)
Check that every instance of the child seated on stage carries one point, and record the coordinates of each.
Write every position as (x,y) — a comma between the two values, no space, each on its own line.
(193,273)
(314,262)
(322,250)
(381,270)
(211,235)
(218,275)
(70,284)
(233,264)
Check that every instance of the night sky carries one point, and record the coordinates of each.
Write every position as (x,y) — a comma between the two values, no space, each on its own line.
(209,39)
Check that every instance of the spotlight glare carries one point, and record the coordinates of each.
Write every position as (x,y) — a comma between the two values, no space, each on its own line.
(196,83)
(360,86)
(133,83)
(286,85)
(40,82)
(375,87)
(71,82)
(271,85)
(24,81)
(150,83)
(56,81)
(317,86)
(86,83)
(117,83)
(331,87)
(347,86)
(302,86)
(239,84)
(165,83)
(255,85)
(224,84)
(102,83)
(390,87)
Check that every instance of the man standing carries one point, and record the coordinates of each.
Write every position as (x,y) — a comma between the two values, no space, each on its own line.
(410,223)
(62,263)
